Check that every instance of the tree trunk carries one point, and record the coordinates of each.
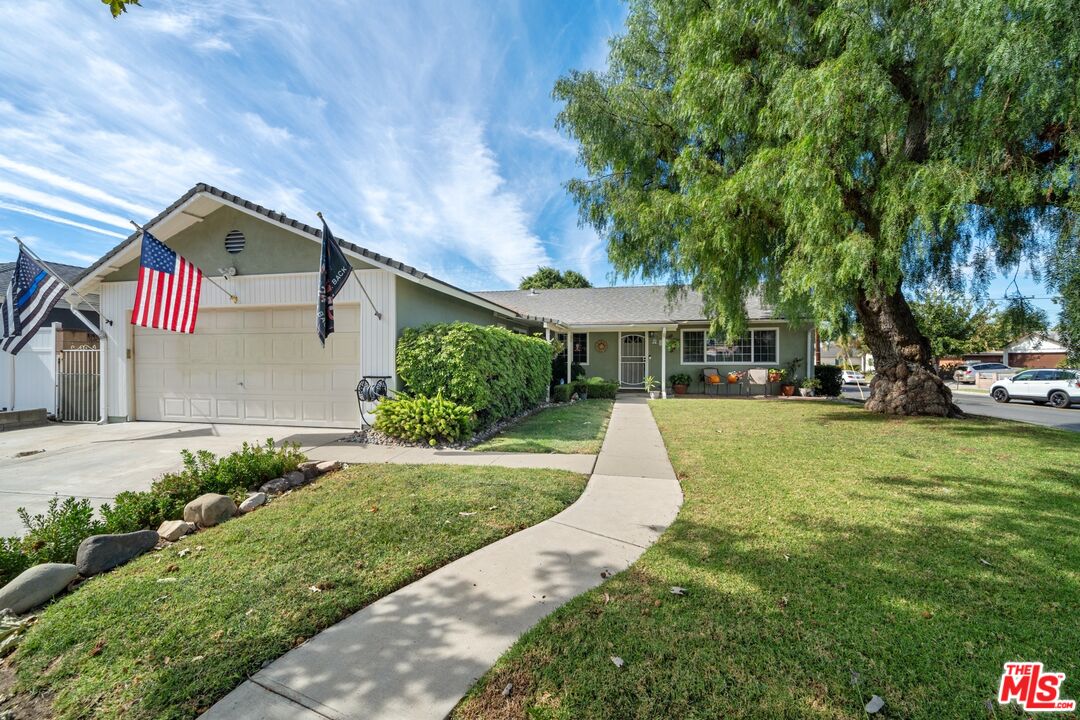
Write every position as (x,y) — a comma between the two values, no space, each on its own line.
(904,379)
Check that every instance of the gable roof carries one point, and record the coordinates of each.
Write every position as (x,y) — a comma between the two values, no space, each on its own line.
(633,305)
(67,273)
(203,190)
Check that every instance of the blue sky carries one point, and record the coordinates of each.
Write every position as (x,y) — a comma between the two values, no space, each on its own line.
(422,130)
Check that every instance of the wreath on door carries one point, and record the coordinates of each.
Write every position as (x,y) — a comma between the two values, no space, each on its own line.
(601,346)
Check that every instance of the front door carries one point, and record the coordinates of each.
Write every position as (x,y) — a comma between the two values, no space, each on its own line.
(632,360)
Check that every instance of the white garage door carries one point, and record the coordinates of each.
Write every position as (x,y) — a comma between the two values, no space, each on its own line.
(257,366)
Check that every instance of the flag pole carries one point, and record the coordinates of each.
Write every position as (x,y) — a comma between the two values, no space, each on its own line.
(205,275)
(355,275)
(74,310)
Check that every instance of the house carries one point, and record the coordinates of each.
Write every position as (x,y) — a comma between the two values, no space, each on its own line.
(259,360)
(1035,350)
(833,354)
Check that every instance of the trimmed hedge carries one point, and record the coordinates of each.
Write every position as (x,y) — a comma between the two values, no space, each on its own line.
(496,372)
(562,393)
(597,387)
(424,419)
(831,379)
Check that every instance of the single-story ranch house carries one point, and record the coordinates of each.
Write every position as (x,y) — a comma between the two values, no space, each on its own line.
(259,360)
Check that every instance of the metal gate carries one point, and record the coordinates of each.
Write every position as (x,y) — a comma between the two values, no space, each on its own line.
(78,384)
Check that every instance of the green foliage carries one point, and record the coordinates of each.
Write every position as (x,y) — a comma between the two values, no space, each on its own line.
(1020,318)
(13,559)
(548,278)
(811,383)
(562,393)
(831,379)
(203,472)
(117,7)
(496,372)
(596,387)
(558,370)
(680,379)
(650,383)
(1068,327)
(424,419)
(825,153)
(55,536)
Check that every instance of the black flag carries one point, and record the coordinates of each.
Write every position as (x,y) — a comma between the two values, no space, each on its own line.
(334,269)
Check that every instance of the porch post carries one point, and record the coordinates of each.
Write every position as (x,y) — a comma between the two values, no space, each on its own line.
(547,336)
(569,353)
(663,363)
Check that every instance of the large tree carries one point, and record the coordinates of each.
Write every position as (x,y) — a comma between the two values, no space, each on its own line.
(830,154)
(547,278)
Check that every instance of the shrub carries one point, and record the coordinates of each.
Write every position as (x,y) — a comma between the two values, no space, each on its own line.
(596,387)
(13,559)
(496,372)
(831,379)
(133,511)
(55,536)
(562,393)
(558,370)
(680,379)
(424,419)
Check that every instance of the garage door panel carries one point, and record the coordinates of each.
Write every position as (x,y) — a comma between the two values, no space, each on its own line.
(260,366)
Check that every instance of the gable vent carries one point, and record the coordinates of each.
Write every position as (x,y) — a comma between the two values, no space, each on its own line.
(234,241)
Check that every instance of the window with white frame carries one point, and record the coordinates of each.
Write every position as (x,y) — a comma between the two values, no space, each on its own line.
(581,348)
(756,346)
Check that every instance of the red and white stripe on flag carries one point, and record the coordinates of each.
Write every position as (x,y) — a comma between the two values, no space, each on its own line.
(168,301)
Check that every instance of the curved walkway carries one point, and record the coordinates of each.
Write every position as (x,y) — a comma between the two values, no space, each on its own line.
(416,652)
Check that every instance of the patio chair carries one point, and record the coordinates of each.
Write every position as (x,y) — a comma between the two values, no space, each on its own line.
(710,378)
(757,376)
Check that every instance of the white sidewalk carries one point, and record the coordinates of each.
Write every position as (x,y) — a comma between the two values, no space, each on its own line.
(417,651)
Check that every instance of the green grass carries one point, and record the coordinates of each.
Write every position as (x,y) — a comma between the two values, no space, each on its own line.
(574,428)
(817,540)
(165,636)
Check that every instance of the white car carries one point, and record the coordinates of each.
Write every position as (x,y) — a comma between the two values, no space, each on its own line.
(1059,388)
(852,377)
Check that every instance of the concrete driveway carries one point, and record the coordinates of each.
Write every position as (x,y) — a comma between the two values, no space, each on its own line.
(99,461)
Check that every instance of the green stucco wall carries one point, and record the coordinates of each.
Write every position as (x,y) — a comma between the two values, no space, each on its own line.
(418,305)
(268,249)
(606,364)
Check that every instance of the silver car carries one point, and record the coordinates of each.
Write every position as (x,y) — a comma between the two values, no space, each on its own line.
(966,373)
(1059,388)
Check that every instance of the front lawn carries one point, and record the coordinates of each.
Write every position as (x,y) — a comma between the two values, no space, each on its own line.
(828,555)
(577,427)
(172,632)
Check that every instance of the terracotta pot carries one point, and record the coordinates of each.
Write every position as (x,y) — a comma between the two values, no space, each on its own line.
(787,390)
(732,378)
(679,389)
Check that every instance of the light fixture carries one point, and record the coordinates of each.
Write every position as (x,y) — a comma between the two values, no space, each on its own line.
(227,273)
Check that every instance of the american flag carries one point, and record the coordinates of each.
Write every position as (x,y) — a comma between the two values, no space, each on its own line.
(167,296)
(30,297)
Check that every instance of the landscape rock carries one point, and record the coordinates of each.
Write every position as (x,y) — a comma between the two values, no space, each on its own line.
(209,510)
(295,478)
(253,501)
(328,466)
(310,469)
(99,553)
(173,530)
(36,585)
(275,486)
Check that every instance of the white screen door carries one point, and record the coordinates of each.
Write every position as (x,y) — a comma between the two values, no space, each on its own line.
(632,360)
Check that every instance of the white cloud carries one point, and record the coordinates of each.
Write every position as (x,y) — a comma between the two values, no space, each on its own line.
(264,131)
(59,203)
(74,186)
(57,219)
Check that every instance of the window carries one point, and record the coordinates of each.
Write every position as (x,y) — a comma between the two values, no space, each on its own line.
(757,346)
(1024,376)
(581,348)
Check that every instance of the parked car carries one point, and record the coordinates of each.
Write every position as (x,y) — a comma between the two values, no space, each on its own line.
(851,377)
(1059,388)
(966,373)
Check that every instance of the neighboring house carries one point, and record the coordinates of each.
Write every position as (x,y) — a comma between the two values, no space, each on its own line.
(831,354)
(259,361)
(1036,350)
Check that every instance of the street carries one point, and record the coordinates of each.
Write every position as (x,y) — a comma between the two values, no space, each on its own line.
(1019,410)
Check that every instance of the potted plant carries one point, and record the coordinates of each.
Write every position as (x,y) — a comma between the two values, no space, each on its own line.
(775,375)
(809,387)
(680,382)
(672,344)
(650,386)
(791,369)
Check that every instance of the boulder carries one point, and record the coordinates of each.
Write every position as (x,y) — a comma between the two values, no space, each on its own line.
(173,530)
(310,469)
(36,585)
(328,466)
(295,478)
(209,510)
(275,486)
(99,553)
(253,501)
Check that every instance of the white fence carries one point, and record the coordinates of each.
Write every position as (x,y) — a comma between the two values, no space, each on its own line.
(66,383)
(28,380)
